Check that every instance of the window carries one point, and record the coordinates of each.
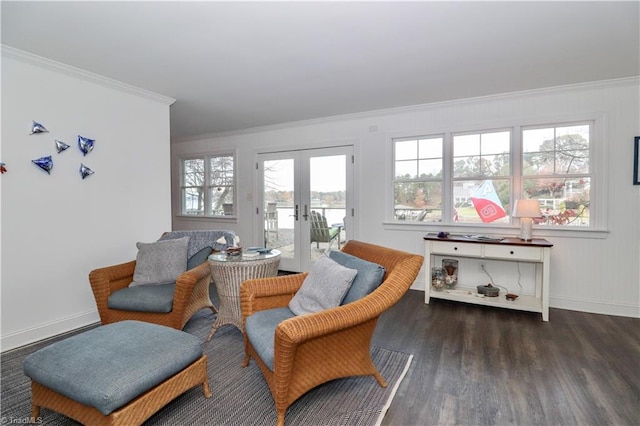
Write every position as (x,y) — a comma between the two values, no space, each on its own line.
(418,179)
(474,177)
(481,177)
(556,172)
(208,186)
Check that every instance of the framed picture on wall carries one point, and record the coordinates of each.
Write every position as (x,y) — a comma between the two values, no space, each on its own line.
(636,160)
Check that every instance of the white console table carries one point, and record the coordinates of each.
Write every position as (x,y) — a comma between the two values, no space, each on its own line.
(537,251)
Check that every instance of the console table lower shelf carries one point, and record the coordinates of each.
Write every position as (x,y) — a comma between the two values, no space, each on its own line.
(522,303)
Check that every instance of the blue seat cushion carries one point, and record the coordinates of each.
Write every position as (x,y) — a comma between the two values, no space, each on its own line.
(109,366)
(369,277)
(261,329)
(143,298)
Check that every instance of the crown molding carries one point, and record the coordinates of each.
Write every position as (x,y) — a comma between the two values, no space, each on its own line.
(69,70)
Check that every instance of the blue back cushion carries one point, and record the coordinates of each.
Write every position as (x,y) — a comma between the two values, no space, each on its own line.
(198,258)
(369,277)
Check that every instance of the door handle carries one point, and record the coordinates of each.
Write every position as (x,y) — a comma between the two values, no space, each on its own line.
(295,213)
(306,213)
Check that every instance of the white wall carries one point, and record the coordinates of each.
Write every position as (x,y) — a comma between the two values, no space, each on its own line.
(56,228)
(595,272)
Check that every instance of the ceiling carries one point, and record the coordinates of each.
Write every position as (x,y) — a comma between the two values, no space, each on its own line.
(238,65)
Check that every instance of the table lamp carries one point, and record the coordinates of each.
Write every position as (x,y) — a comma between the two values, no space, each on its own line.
(526,210)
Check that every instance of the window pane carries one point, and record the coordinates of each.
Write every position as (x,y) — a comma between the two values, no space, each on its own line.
(221,170)
(490,155)
(572,162)
(537,163)
(556,151)
(495,165)
(534,139)
(430,148)
(562,201)
(412,198)
(466,167)
(192,201)
(477,201)
(495,143)
(465,145)
(193,172)
(221,195)
(406,150)
(406,169)
(430,168)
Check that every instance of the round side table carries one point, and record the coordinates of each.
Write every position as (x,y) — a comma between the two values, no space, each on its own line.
(228,272)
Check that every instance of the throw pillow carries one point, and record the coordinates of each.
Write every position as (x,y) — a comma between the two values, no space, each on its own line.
(161,262)
(323,288)
(198,258)
(370,275)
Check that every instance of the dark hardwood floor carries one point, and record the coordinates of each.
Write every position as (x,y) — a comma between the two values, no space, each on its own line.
(476,365)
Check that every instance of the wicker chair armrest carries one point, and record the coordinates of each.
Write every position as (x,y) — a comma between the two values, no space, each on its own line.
(268,293)
(186,283)
(301,328)
(107,280)
(113,277)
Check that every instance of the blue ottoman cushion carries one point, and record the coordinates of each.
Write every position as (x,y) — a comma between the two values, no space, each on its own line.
(111,365)
(261,329)
(143,298)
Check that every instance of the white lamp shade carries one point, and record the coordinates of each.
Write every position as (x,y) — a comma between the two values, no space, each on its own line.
(526,208)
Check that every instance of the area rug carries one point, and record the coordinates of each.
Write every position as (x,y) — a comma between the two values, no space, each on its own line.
(240,395)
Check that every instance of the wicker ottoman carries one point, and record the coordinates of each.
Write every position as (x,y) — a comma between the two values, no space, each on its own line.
(117,374)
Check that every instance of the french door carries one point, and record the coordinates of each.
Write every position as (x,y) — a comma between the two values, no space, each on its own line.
(305,202)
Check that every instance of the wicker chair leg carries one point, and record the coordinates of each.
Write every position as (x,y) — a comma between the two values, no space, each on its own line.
(245,363)
(281,418)
(206,389)
(381,381)
(35,412)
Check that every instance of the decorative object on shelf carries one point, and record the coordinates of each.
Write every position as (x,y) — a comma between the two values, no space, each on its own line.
(3,169)
(234,251)
(437,278)
(45,163)
(450,267)
(636,160)
(61,146)
(526,210)
(37,128)
(488,290)
(85,144)
(85,171)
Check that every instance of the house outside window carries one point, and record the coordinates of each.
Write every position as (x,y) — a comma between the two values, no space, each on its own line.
(473,177)
(208,184)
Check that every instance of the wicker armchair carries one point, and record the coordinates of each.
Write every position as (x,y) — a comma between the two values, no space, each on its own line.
(316,348)
(191,290)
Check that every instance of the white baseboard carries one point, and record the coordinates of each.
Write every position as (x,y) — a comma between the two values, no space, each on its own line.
(50,329)
(595,307)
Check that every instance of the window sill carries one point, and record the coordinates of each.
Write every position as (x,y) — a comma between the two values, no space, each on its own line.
(501,230)
(227,219)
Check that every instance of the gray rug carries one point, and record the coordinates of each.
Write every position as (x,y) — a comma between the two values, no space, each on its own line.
(240,395)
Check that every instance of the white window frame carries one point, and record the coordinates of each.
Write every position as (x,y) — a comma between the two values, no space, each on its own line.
(598,170)
(208,185)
